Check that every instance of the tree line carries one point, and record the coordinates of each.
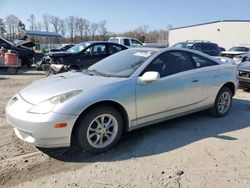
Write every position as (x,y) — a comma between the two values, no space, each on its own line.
(74,29)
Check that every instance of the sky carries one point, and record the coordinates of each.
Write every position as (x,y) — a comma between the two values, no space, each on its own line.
(127,15)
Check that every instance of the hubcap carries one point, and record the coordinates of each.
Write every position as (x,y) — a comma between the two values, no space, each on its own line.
(102,131)
(224,102)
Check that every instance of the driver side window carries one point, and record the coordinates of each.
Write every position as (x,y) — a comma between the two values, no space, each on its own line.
(171,63)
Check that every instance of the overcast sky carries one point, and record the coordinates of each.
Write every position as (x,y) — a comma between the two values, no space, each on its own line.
(129,14)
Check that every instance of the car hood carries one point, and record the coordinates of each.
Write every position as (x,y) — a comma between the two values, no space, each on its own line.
(232,52)
(245,66)
(46,88)
(25,43)
(58,54)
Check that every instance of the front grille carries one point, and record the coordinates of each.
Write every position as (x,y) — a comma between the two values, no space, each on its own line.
(244,74)
(228,55)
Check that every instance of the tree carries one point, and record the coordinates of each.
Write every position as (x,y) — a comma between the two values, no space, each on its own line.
(103,31)
(63,28)
(39,26)
(56,23)
(71,26)
(32,22)
(93,29)
(46,22)
(80,26)
(12,22)
(2,27)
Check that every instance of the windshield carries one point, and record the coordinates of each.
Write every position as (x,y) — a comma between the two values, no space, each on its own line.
(114,40)
(183,45)
(239,49)
(122,64)
(78,48)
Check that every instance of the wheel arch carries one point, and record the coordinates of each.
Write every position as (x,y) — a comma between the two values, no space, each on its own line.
(231,86)
(109,103)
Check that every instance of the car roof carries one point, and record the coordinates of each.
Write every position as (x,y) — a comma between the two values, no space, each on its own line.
(242,45)
(122,38)
(102,42)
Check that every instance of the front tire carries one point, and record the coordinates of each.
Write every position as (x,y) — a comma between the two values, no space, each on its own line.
(222,103)
(99,130)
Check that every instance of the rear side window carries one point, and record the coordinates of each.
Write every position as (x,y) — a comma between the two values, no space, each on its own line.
(126,42)
(202,61)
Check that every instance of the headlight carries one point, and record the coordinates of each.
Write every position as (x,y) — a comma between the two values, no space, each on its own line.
(49,104)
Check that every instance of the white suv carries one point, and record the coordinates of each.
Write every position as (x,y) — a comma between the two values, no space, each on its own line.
(131,42)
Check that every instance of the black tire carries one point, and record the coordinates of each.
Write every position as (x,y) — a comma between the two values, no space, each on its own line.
(85,122)
(12,70)
(215,111)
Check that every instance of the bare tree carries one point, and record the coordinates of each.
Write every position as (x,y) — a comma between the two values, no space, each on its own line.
(80,26)
(71,26)
(93,29)
(56,23)
(12,22)
(103,31)
(63,28)
(2,27)
(39,26)
(87,27)
(32,22)
(46,22)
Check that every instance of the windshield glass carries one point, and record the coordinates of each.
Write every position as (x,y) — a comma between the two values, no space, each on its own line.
(239,49)
(183,45)
(78,48)
(114,40)
(122,64)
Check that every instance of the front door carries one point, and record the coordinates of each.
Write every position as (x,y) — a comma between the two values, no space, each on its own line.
(179,87)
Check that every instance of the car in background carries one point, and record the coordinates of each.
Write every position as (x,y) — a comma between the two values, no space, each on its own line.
(62,49)
(242,58)
(244,75)
(125,91)
(22,48)
(130,42)
(206,47)
(236,51)
(81,55)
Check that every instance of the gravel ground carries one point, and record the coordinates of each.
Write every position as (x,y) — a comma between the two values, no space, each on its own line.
(191,151)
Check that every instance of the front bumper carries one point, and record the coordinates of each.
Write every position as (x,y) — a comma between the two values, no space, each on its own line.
(39,128)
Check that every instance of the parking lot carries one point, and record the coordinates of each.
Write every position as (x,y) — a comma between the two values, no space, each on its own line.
(193,151)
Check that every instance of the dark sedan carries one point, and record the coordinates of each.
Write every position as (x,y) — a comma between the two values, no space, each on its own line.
(81,55)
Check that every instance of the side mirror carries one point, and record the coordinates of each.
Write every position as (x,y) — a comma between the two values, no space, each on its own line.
(150,76)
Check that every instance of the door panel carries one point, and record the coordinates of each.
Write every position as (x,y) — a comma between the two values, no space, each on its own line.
(169,93)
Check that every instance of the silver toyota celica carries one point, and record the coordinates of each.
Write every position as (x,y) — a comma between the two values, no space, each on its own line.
(128,90)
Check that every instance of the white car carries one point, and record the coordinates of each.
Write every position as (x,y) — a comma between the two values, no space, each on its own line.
(125,91)
(130,42)
(235,51)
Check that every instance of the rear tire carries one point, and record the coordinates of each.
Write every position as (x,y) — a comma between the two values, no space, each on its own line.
(222,103)
(99,129)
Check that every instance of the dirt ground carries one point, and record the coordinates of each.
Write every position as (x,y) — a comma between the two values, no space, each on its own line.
(193,151)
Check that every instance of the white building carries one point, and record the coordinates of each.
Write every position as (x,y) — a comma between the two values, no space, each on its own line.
(226,33)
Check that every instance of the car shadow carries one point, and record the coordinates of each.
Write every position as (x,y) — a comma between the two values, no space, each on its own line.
(164,137)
